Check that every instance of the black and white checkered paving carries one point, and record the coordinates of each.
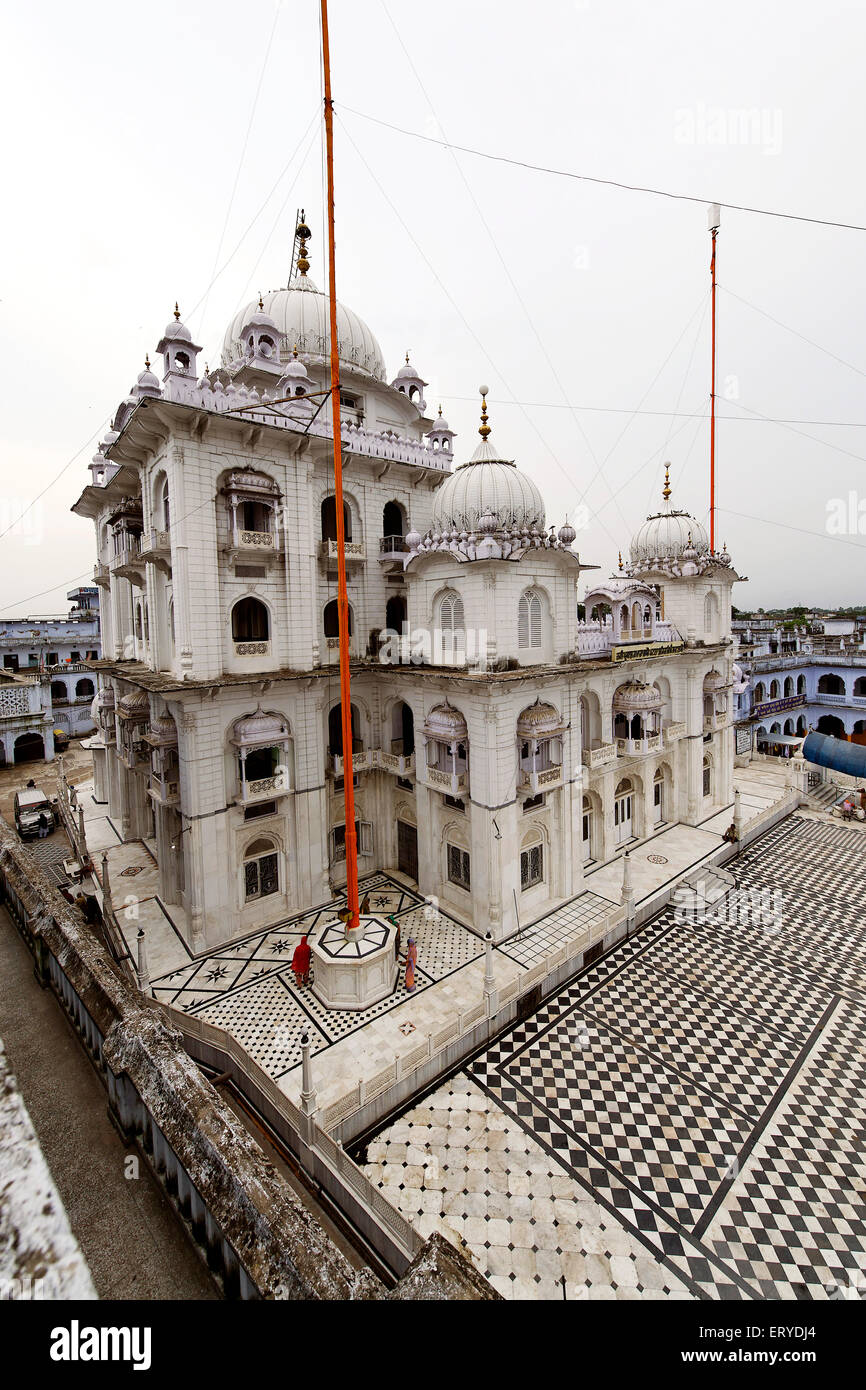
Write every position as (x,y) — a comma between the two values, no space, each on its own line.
(697,1095)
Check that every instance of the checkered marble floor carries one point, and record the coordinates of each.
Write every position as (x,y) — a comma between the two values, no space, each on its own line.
(694,1103)
(546,936)
(248,987)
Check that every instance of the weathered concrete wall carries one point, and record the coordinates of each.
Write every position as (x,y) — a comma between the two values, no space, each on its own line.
(39,1255)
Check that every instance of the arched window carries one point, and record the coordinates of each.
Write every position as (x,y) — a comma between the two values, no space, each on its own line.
(760,693)
(58,692)
(531,864)
(801,685)
(335,731)
(166,507)
(529,621)
(332,619)
(138,621)
(393,521)
(329,519)
(789,686)
(708,776)
(774,690)
(261,870)
(831,684)
(623,618)
(250,621)
(395,613)
(711,614)
(452,624)
(83,688)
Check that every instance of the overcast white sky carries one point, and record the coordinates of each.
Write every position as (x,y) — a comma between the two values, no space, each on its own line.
(125,189)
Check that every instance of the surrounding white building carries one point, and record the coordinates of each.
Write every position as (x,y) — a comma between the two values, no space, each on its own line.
(502,746)
(45,684)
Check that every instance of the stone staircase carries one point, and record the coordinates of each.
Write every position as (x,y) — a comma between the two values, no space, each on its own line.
(821,798)
(702,892)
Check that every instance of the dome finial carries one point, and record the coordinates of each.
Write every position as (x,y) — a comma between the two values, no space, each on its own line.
(620,561)
(407,357)
(176,312)
(484,428)
(302,234)
(295,351)
(440,410)
(261,301)
(147,361)
(666,490)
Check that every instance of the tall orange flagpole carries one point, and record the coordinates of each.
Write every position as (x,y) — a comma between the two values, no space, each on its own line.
(352,919)
(713,220)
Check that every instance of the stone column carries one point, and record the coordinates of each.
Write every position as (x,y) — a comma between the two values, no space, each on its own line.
(143,972)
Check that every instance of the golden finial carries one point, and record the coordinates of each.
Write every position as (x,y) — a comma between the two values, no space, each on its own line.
(407,357)
(620,559)
(295,350)
(440,412)
(484,428)
(261,302)
(147,361)
(176,311)
(666,490)
(302,233)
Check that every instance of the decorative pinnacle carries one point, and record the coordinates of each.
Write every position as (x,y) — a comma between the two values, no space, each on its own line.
(147,361)
(176,312)
(484,428)
(261,301)
(620,559)
(440,412)
(666,490)
(295,350)
(407,357)
(303,234)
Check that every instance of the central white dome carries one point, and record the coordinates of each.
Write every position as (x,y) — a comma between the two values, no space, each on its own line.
(300,313)
(490,487)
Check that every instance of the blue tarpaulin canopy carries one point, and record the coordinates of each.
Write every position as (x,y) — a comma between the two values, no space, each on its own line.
(836,753)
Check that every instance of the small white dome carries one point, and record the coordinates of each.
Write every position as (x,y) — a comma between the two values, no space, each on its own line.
(487,486)
(666,536)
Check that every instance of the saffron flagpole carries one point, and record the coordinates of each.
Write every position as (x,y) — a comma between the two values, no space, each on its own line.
(352,918)
(713,221)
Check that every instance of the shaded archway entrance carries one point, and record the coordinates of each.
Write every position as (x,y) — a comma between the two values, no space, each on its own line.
(29,748)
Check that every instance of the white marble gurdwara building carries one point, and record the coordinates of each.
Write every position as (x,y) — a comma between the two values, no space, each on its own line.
(503,744)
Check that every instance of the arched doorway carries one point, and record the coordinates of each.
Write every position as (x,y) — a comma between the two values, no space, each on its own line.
(622,812)
(832,725)
(29,748)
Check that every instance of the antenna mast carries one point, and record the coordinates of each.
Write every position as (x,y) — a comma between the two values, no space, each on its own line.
(713,220)
(352,916)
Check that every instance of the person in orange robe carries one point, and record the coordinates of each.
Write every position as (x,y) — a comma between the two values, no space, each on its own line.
(301,962)
(411,962)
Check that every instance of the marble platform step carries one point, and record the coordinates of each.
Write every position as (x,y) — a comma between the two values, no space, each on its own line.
(704,890)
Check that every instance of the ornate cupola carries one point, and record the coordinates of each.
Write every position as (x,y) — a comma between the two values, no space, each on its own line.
(261,339)
(147,383)
(410,383)
(295,380)
(441,435)
(668,535)
(178,350)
